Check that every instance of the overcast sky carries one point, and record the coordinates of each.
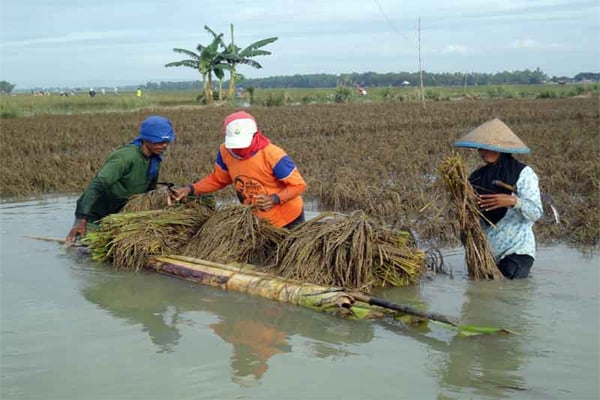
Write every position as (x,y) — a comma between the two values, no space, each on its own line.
(47,43)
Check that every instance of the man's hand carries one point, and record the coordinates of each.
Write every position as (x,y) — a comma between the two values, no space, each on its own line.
(78,230)
(263,202)
(178,194)
(489,202)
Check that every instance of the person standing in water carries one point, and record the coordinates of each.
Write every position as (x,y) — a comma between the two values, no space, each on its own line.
(509,196)
(129,170)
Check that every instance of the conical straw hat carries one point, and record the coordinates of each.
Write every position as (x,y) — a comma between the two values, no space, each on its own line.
(493,135)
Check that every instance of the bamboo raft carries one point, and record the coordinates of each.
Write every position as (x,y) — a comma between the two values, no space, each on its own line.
(245,278)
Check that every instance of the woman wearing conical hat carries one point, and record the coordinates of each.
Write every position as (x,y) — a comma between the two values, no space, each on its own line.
(509,196)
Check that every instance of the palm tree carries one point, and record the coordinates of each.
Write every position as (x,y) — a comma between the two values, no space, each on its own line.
(235,55)
(207,60)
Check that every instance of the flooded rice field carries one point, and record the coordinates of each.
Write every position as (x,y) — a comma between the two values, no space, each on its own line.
(72,329)
(382,158)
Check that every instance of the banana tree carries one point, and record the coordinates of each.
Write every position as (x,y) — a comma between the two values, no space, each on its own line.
(236,55)
(206,60)
(220,62)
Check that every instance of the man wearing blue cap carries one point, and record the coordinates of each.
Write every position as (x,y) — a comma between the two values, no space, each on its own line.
(509,196)
(129,170)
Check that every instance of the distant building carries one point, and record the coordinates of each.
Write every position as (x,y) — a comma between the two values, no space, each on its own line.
(361,90)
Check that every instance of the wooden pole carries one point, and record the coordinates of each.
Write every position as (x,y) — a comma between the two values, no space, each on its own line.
(420,67)
(404,309)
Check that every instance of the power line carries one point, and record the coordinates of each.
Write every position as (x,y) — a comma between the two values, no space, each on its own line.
(388,20)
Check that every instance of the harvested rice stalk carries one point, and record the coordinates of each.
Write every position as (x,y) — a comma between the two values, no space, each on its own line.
(235,234)
(349,194)
(349,251)
(151,200)
(479,259)
(128,239)
(157,199)
(397,261)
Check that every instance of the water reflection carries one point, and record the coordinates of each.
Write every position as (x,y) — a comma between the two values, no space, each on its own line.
(489,366)
(135,301)
(258,329)
(255,339)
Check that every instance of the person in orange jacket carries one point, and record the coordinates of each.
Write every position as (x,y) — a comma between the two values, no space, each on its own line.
(263,175)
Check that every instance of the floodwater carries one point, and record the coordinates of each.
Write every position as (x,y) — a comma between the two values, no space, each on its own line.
(72,329)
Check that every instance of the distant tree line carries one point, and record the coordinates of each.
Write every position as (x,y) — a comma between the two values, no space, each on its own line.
(6,87)
(373,79)
(191,85)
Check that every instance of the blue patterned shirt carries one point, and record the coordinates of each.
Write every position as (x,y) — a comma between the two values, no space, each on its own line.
(513,234)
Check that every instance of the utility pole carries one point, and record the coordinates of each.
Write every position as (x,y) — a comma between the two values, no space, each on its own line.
(420,68)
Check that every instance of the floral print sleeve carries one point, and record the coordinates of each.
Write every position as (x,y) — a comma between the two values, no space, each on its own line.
(529,203)
(513,234)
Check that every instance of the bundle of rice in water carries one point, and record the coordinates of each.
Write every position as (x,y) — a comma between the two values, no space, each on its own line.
(478,257)
(349,251)
(128,239)
(235,234)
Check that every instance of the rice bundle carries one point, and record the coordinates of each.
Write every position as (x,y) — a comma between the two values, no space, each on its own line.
(479,259)
(349,251)
(235,234)
(151,200)
(128,239)
(157,199)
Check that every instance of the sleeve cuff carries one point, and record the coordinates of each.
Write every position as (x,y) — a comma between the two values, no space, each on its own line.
(191,187)
(276,199)
(517,203)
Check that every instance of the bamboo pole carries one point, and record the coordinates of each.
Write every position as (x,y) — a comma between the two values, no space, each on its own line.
(405,309)
(420,67)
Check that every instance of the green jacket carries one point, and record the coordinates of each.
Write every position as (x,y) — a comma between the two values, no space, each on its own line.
(123,174)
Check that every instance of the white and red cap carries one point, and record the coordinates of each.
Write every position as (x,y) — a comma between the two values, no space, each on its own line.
(240,128)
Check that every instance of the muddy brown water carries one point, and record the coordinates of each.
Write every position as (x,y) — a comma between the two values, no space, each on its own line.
(72,329)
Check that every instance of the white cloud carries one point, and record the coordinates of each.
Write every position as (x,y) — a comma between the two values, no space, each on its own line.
(72,37)
(524,44)
(534,44)
(455,49)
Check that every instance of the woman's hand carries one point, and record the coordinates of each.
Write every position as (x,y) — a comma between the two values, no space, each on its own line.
(491,202)
(78,230)
(178,194)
